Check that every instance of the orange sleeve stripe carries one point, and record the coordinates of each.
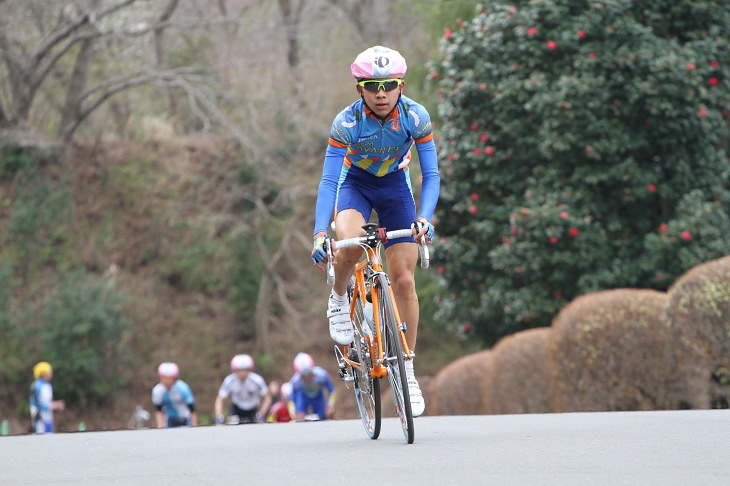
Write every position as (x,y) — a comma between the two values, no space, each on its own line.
(427,138)
(335,143)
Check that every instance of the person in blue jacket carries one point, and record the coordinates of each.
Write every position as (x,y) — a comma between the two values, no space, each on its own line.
(173,399)
(42,404)
(312,390)
(366,168)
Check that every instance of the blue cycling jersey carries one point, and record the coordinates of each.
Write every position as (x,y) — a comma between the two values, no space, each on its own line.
(175,402)
(308,392)
(359,139)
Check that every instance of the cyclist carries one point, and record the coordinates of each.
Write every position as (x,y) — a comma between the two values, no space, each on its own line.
(42,404)
(312,390)
(282,410)
(365,169)
(173,399)
(250,398)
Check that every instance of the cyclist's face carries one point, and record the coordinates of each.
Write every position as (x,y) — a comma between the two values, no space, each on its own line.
(242,374)
(167,381)
(381,102)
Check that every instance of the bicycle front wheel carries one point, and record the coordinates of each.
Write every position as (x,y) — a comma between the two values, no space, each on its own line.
(367,390)
(394,357)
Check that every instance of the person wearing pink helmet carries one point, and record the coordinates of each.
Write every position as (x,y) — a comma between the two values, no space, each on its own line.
(312,390)
(282,410)
(249,394)
(366,168)
(173,399)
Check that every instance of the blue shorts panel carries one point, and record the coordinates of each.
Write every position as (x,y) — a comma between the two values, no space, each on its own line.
(390,196)
(307,405)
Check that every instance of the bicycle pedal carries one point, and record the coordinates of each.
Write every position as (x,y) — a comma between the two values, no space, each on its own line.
(345,376)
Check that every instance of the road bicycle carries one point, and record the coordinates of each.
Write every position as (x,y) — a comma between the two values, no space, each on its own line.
(379,348)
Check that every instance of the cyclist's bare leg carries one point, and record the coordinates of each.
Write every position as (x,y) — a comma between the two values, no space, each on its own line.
(402,259)
(348,224)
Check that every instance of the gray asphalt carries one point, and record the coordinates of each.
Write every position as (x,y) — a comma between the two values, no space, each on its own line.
(617,448)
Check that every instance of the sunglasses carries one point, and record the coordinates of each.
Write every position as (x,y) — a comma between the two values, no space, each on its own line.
(386,84)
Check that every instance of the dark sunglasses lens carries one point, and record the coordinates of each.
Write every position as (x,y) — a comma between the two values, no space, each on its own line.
(374,86)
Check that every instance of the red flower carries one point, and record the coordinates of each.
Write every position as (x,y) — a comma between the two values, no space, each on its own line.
(484,138)
(652,188)
(714,64)
(564,215)
(592,55)
(473,210)
(553,239)
(702,112)
(473,127)
(514,232)
(558,295)
(532,31)
(477,151)
(467,327)
(691,67)
(565,106)
(686,235)
(474,196)
(552,45)
(447,33)
(489,150)
(441,269)
(573,232)
(713,81)
(582,34)
(452,156)
(663,228)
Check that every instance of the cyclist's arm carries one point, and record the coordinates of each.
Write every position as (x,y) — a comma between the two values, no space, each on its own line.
(218,408)
(265,405)
(431,184)
(327,191)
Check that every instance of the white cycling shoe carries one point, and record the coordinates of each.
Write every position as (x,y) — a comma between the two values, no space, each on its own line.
(418,404)
(341,328)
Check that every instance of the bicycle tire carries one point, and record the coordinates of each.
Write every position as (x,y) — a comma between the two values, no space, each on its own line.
(367,390)
(394,357)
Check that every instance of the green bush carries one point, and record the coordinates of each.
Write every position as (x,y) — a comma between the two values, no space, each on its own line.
(81,335)
(245,273)
(14,159)
(582,148)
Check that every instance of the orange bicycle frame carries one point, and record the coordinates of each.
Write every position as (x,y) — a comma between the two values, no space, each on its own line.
(375,341)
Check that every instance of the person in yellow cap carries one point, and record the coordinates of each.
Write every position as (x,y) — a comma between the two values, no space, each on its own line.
(42,404)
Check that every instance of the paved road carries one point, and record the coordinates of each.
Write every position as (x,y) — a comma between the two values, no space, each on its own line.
(625,448)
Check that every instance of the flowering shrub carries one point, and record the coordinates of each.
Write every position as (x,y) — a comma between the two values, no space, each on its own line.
(583,147)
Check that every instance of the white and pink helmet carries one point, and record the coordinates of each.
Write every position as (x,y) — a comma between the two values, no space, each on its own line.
(241,362)
(303,363)
(378,62)
(168,370)
(286,390)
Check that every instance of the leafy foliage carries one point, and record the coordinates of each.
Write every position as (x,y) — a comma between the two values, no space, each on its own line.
(81,335)
(583,148)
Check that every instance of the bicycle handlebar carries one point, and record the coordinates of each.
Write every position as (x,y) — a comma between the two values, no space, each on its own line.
(367,239)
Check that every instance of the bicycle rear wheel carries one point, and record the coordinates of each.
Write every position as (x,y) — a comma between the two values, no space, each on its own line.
(367,390)
(394,358)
